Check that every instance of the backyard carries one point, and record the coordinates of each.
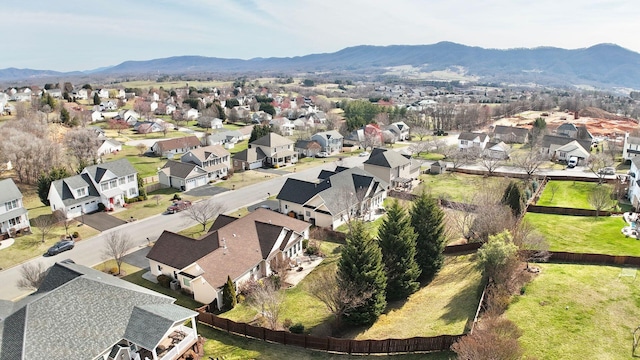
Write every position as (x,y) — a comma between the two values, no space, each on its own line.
(585,234)
(455,186)
(570,194)
(596,324)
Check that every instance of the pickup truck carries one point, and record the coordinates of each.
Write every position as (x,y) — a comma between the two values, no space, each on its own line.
(178,206)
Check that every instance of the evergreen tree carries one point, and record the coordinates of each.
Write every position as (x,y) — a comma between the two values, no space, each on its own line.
(360,269)
(427,220)
(258,132)
(64,116)
(514,198)
(229,295)
(45,180)
(96,99)
(398,244)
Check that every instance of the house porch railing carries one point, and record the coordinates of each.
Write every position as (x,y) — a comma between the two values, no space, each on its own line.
(181,346)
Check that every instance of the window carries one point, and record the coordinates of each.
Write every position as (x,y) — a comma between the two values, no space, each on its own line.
(11,204)
(186,281)
(104,186)
(132,191)
(159,268)
(463,142)
(81,192)
(307,213)
(121,181)
(113,184)
(131,178)
(14,221)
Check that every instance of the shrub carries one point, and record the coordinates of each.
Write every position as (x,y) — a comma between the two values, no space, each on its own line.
(297,328)
(101,207)
(312,248)
(246,288)
(305,243)
(75,235)
(113,270)
(276,280)
(287,323)
(142,197)
(240,298)
(164,280)
(176,197)
(224,177)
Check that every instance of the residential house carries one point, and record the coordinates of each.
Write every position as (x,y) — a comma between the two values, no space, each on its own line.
(192,114)
(400,130)
(568,130)
(331,141)
(107,183)
(14,217)
(109,146)
(511,134)
(571,149)
(309,148)
(108,105)
(392,167)
(634,183)
(169,109)
(80,94)
(369,136)
(153,106)
(335,198)
(469,141)
(170,147)
(210,122)
(551,143)
(258,117)
(182,175)
(283,125)
(96,116)
(269,150)
(55,93)
(497,150)
(148,127)
(251,247)
(108,318)
(631,147)
(214,159)
(130,116)
(22,96)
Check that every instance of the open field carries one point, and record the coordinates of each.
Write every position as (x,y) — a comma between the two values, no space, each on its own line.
(145,165)
(146,84)
(577,312)
(583,234)
(455,186)
(570,194)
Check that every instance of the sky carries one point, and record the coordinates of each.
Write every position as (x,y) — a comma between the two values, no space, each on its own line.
(83,35)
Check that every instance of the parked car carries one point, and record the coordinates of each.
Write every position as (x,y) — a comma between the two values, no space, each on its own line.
(607,171)
(573,161)
(178,206)
(440,132)
(322,154)
(364,153)
(60,246)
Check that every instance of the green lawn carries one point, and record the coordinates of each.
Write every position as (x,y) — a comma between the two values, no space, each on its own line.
(455,186)
(583,234)
(145,165)
(182,300)
(578,312)
(442,307)
(430,156)
(242,145)
(571,194)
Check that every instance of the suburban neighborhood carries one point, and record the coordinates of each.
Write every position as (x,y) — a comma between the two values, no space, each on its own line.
(178,221)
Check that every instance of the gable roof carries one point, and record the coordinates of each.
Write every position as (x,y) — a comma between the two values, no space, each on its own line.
(65,189)
(505,130)
(388,159)
(572,147)
(470,136)
(331,134)
(307,144)
(9,191)
(177,143)
(272,140)
(119,168)
(567,127)
(180,251)
(250,155)
(99,316)
(633,140)
(182,170)
(203,153)
(549,140)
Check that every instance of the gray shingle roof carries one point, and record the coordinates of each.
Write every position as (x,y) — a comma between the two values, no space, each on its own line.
(78,313)
(470,136)
(9,191)
(66,187)
(549,140)
(250,155)
(177,143)
(517,131)
(181,170)
(119,168)
(272,140)
(149,323)
(387,159)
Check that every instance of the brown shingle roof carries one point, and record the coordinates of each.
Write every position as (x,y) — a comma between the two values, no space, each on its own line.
(177,143)
(180,251)
(203,153)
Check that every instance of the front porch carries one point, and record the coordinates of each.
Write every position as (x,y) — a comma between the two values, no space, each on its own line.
(283,158)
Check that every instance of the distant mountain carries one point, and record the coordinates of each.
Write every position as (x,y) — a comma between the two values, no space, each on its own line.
(603,65)
(22,74)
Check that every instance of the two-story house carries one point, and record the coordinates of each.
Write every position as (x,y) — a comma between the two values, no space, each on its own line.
(270,150)
(251,247)
(634,183)
(214,159)
(335,198)
(170,147)
(331,141)
(14,217)
(511,134)
(400,130)
(469,141)
(392,167)
(108,184)
(631,147)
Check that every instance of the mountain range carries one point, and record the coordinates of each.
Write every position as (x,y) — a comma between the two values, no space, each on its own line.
(602,65)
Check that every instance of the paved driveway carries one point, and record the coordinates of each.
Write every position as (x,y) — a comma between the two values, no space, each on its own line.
(138,258)
(206,190)
(101,221)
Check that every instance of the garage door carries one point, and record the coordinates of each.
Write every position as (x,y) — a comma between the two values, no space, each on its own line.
(201,181)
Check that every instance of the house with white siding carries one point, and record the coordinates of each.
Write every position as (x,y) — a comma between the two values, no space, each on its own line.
(14,217)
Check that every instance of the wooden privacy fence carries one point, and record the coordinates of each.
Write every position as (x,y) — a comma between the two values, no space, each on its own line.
(330,344)
(557,210)
(583,258)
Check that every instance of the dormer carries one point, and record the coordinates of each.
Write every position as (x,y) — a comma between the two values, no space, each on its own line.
(80,192)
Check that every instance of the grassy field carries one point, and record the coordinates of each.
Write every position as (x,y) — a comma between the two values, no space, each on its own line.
(582,234)
(596,324)
(571,194)
(151,206)
(145,165)
(220,345)
(245,178)
(455,186)
(147,84)
(442,307)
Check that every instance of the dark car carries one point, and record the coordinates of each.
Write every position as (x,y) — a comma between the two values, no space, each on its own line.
(178,206)
(440,132)
(60,246)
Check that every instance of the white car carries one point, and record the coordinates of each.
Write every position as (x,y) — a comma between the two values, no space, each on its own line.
(322,154)
(364,153)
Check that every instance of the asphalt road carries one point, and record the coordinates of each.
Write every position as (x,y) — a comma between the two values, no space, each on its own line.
(89,252)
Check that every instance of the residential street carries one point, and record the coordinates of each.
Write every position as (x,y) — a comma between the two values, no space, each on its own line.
(89,252)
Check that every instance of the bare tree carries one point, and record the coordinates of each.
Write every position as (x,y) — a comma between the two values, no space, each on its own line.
(421,132)
(82,144)
(60,216)
(31,275)
(267,300)
(44,224)
(339,301)
(142,148)
(118,125)
(203,212)
(598,161)
(553,187)
(600,198)
(116,246)
(532,244)
(529,162)
(456,157)
(491,163)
